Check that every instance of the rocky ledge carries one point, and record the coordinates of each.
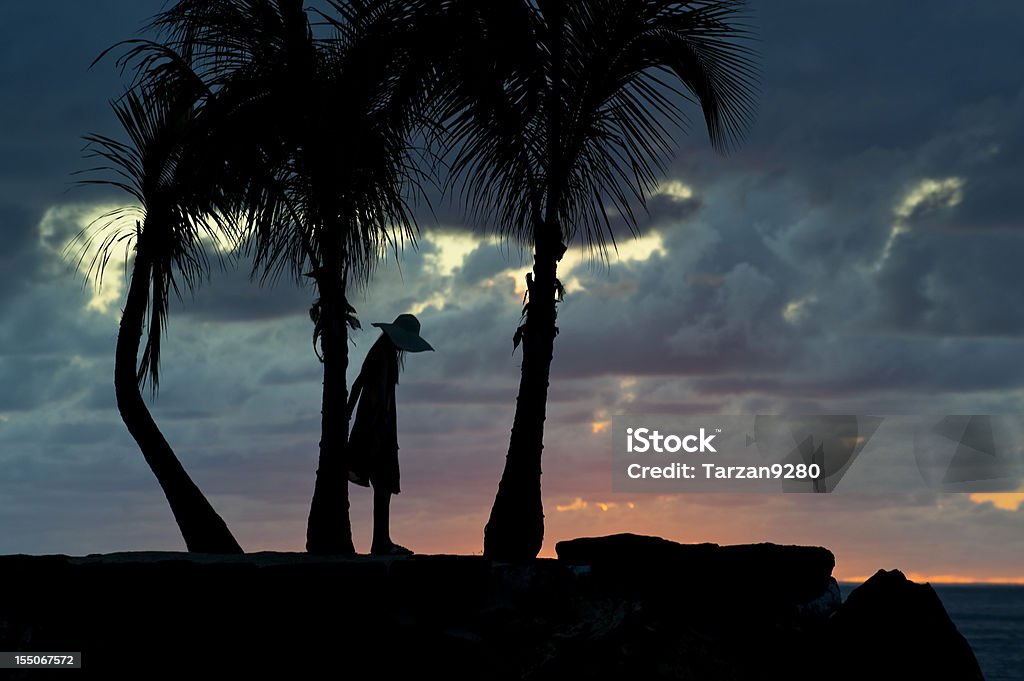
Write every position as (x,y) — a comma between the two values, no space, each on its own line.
(615,607)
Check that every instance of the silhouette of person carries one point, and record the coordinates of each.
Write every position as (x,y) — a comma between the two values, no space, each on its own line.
(373,442)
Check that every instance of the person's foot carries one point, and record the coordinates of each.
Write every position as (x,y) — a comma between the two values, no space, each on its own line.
(391,549)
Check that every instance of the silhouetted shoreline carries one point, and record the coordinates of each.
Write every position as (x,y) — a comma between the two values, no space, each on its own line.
(658,610)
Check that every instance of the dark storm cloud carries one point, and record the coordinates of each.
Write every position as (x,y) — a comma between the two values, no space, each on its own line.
(485,262)
(803,212)
(21,260)
(50,99)
(983,144)
(278,376)
(732,321)
(662,207)
(841,77)
(25,383)
(50,318)
(232,295)
(954,284)
(18,254)
(693,311)
(51,96)
(447,392)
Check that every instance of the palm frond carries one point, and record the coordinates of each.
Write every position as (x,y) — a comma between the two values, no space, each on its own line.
(574,122)
(328,121)
(170,166)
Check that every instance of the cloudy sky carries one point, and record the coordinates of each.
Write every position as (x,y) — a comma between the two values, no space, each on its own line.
(859,254)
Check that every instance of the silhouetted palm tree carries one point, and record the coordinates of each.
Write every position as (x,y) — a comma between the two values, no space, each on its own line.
(330,117)
(178,200)
(561,117)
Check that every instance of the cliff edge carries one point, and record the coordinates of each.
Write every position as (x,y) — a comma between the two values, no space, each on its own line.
(614,607)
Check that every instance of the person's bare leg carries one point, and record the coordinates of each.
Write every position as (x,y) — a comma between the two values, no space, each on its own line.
(382,543)
(381,522)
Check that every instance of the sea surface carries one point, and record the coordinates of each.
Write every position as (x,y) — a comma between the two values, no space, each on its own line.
(991,618)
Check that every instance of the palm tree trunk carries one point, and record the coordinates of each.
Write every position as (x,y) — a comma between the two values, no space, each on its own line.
(329,530)
(202,528)
(515,529)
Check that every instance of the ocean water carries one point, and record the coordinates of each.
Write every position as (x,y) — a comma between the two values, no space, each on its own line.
(991,618)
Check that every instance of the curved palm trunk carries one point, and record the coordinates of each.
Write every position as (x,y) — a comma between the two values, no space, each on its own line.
(515,529)
(329,529)
(202,528)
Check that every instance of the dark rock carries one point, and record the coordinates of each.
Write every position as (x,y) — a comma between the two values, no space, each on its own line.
(892,628)
(628,548)
(794,574)
(703,610)
(825,604)
(638,607)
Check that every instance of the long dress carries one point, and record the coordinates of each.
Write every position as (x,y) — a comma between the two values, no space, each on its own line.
(373,441)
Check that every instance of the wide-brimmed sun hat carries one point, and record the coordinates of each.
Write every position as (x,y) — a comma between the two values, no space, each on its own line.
(404,332)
